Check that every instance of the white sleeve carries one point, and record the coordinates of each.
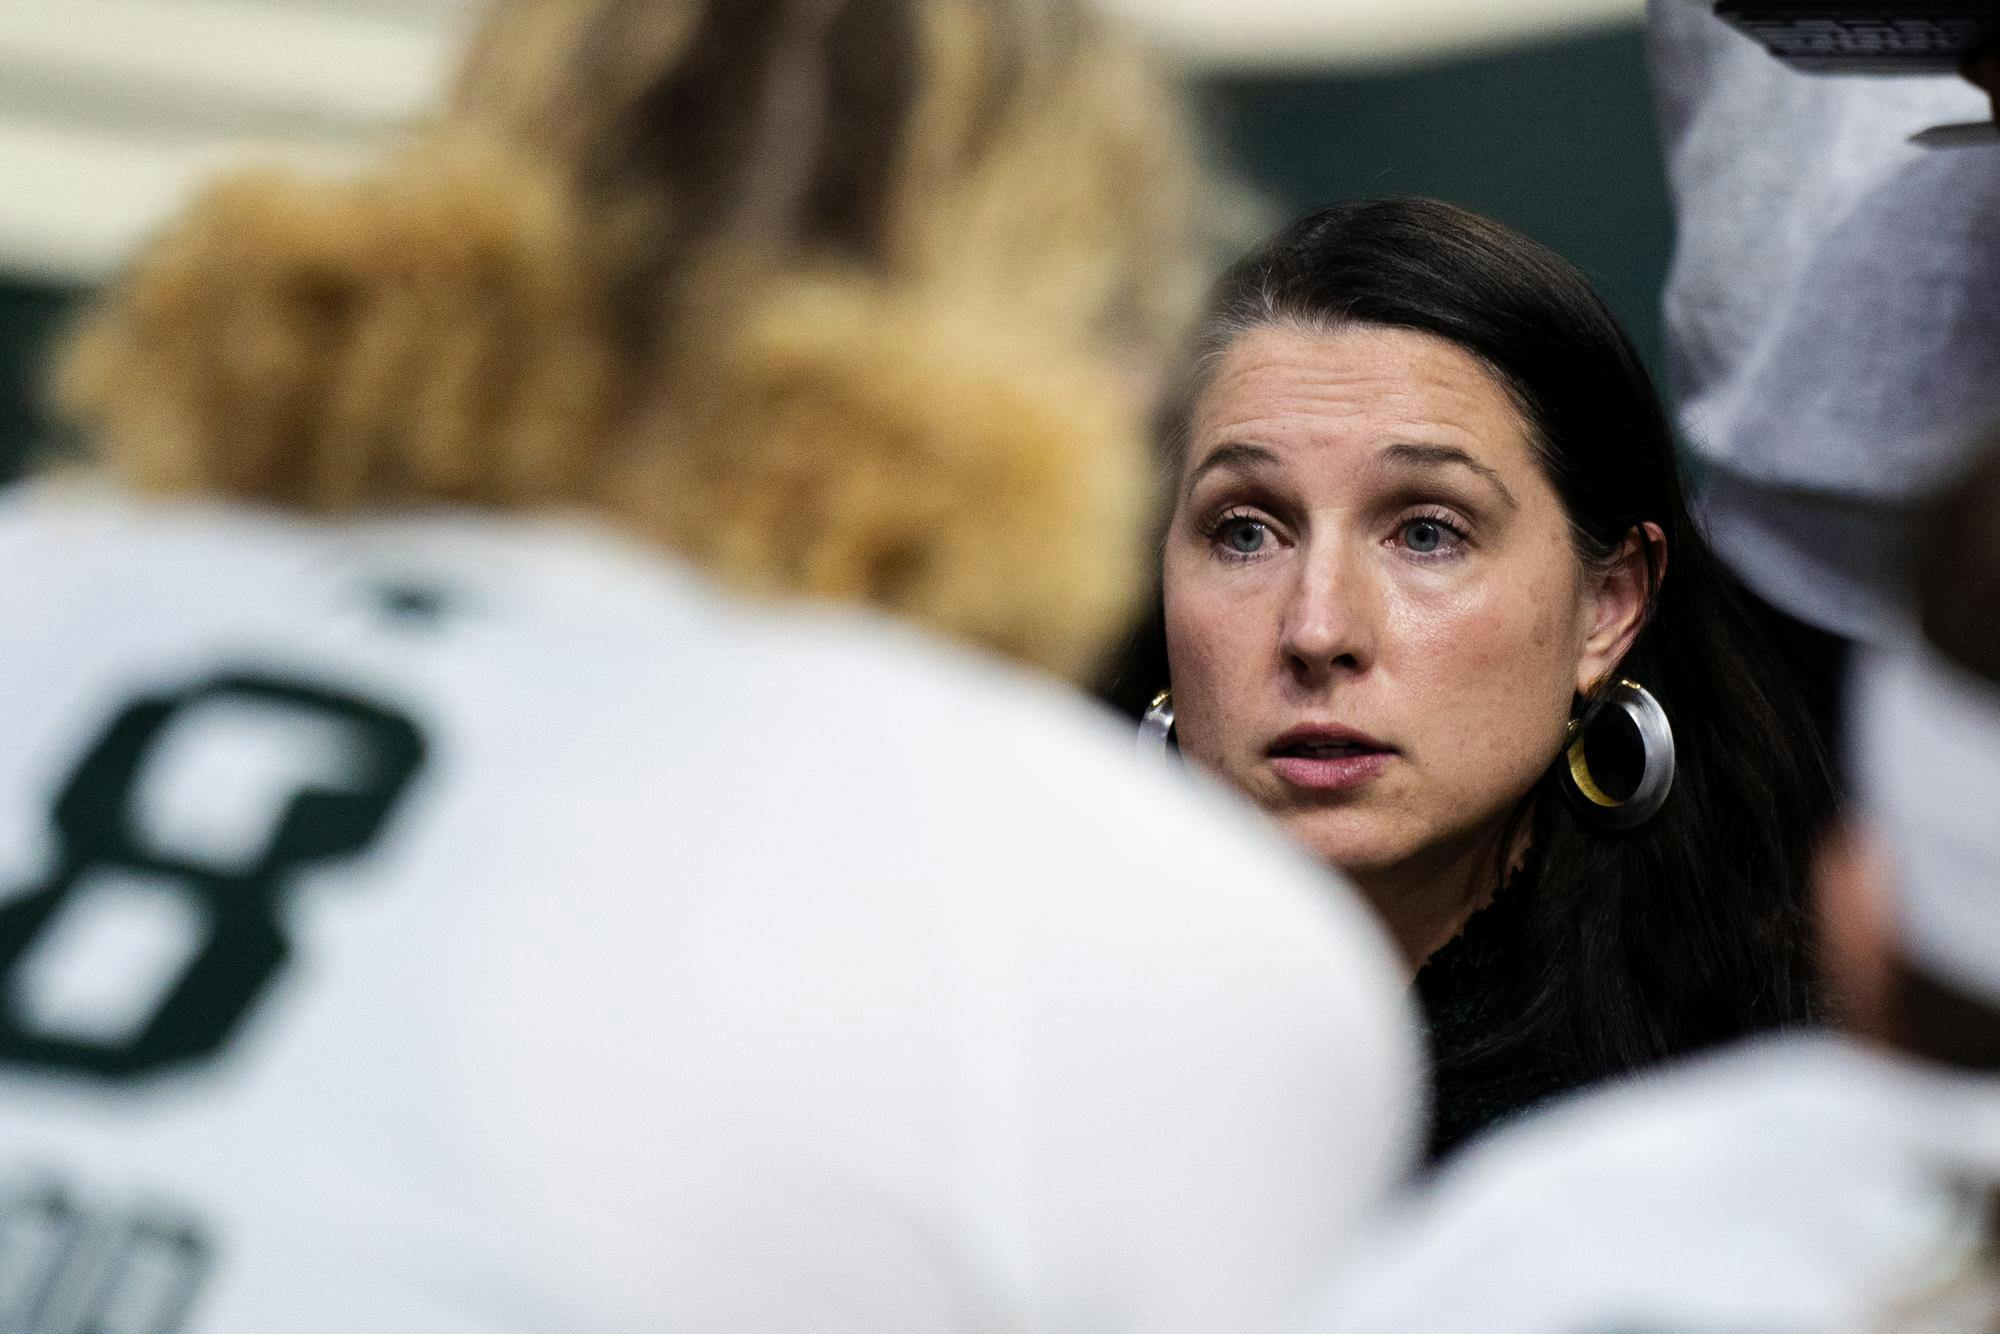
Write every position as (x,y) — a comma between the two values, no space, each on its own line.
(1220,1076)
(999,1036)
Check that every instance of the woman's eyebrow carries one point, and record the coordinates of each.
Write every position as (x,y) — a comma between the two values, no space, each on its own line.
(1230,455)
(1443,456)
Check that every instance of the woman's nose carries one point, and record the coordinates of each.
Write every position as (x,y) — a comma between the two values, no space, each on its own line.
(1329,621)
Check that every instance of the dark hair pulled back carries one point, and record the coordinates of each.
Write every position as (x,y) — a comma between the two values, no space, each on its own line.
(1693,928)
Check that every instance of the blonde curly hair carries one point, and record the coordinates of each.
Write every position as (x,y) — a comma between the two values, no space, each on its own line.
(837,298)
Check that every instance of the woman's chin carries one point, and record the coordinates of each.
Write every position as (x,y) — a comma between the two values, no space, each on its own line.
(1350,841)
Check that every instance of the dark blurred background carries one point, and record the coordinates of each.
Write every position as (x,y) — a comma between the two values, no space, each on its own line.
(1554,136)
(1556,139)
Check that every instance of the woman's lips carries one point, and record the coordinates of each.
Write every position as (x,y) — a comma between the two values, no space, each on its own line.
(1331,773)
(1328,758)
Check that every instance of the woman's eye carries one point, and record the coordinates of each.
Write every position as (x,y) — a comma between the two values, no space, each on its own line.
(1243,537)
(1427,537)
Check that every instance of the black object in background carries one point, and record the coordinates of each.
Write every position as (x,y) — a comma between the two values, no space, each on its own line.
(29,317)
(1912,37)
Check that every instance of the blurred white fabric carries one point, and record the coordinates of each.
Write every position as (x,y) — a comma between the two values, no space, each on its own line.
(1794,1186)
(1929,769)
(1832,343)
(717,970)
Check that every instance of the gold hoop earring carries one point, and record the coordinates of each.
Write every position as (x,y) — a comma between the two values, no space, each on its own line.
(1635,705)
(1156,729)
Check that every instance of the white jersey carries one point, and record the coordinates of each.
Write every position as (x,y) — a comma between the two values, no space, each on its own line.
(1795,1185)
(460,925)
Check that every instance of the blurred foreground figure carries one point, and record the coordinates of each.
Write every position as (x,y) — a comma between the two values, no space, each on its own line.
(433,908)
(1805,1186)
(1830,319)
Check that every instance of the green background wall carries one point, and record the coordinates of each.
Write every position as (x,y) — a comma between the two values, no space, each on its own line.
(29,315)
(1556,139)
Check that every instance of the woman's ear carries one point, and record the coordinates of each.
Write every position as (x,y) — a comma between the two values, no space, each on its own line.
(1617,600)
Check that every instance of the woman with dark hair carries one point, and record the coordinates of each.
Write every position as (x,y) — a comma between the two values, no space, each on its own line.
(1433,599)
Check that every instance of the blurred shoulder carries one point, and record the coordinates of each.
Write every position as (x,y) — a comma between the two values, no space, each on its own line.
(1037,773)
(1781,1186)
(871,754)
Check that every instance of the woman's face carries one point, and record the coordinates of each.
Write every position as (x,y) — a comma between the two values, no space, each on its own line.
(1376,620)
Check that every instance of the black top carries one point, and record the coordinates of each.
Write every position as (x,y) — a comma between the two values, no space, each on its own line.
(1469,990)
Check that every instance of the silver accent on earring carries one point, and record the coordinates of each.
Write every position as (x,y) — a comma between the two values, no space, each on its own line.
(1156,729)
(1656,775)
